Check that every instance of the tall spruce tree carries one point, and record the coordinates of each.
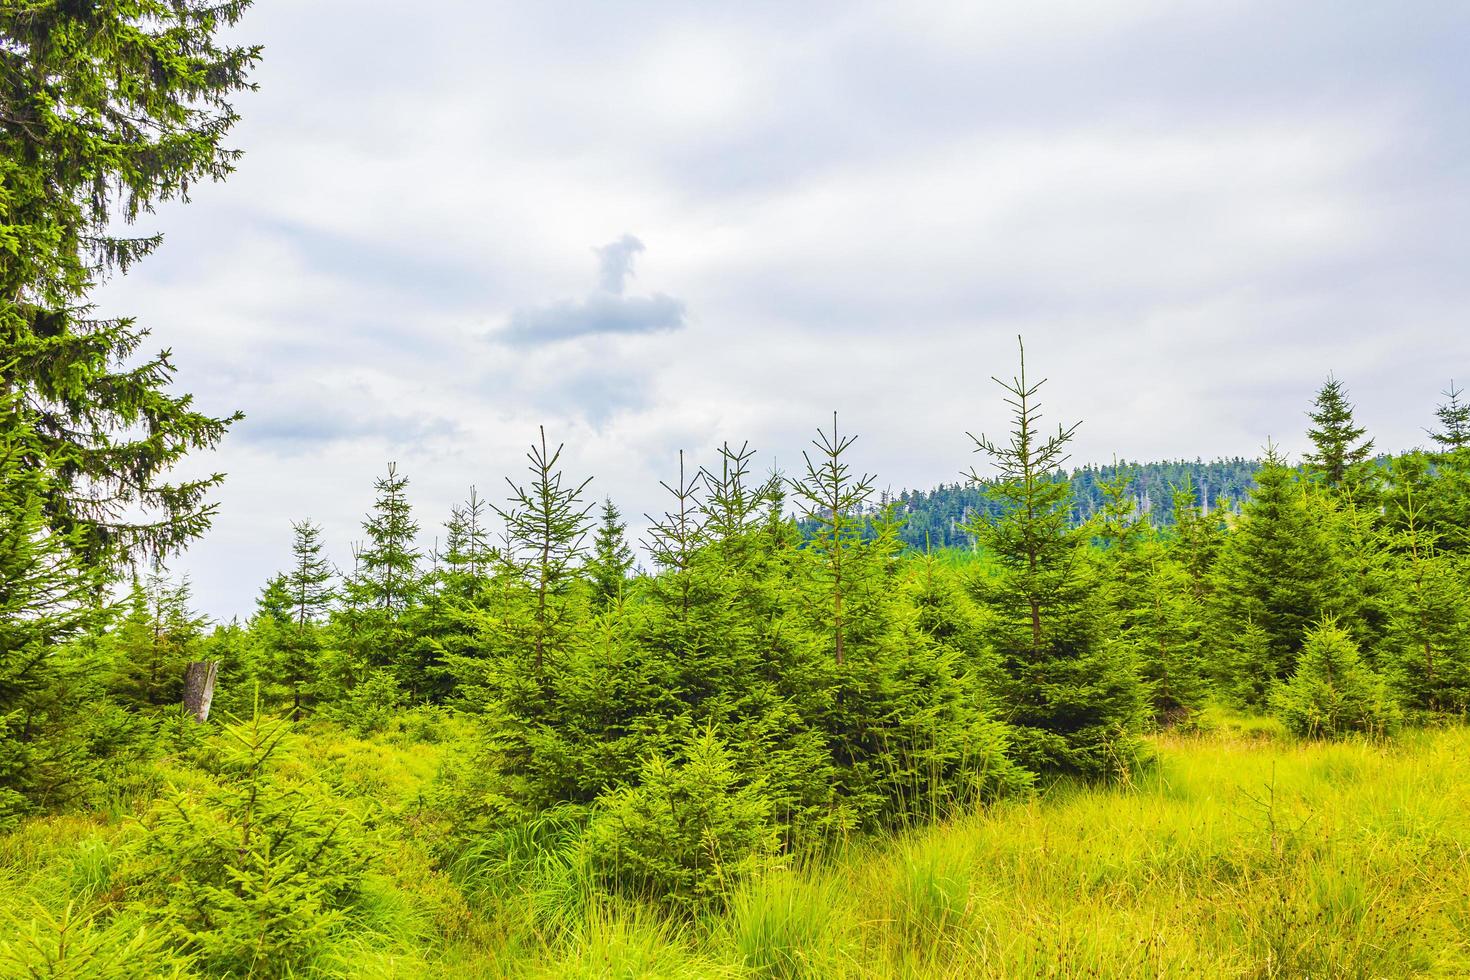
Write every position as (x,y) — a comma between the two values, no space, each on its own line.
(1073,697)
(309,592)
(1338,459)
(105,110)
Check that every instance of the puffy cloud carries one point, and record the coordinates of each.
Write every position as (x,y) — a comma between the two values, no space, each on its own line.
(604,311)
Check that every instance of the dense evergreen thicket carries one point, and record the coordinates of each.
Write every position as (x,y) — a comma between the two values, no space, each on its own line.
(807,659)
(786,674)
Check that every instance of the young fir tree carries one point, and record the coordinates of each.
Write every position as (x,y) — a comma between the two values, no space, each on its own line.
(1276,572)
(1453,433)
(387,581)
(1332,692)
(108,109)
(1073,698)
(1339,459)
(611,562)
(468,557)
(274,601)
(1198,537)
(1428,660)
(546,523)
(1153,603)
(831,497)
(309,594)
(157,638)
(309,583)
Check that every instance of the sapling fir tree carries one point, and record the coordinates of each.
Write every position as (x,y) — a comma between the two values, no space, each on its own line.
(1340,455)
(831,497)
(1072,696)
(546,524)
(611,561)
(1276,570)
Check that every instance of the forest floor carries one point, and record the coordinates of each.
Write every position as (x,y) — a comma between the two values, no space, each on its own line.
(1240,854)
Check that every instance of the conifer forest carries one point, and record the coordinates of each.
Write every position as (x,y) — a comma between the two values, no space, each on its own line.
(1057,717)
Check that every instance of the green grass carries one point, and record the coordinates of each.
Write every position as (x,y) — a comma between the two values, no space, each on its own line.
(1241,854)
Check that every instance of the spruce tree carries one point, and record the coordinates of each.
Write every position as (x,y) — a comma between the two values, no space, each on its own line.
(296,649)
(1198,537)
(611,561)
(831,498)
(546,523)
(274,601)
(309,581)
(1073,698)
(1428,661)
(1276,571)
(1339,460)
(107,109)
(155,641)
(386,583)
(1152,601)
(675,539)
(388,579)
(1453,434)
(1332,692)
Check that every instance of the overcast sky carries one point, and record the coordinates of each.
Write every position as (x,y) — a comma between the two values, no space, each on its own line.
(655,226)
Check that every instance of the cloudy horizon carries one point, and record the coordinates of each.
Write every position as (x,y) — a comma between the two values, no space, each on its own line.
(653,227)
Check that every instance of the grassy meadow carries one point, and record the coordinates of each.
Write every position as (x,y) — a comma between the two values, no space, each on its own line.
(1240,853)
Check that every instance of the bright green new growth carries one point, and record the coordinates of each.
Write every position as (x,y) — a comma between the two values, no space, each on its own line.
(1072,697)
(1333,692)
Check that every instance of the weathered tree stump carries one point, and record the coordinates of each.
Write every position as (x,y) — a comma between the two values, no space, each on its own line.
(199,688)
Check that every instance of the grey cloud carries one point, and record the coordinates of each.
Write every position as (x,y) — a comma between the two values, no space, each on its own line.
(615,261)
(604,311)
(306,428)
(600,313)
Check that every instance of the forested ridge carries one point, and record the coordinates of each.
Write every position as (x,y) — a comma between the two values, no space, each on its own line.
(937,518)
(796,743)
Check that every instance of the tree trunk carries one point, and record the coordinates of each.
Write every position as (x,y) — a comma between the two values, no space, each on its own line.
(199,688)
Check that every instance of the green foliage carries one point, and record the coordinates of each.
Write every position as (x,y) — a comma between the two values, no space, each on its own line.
(74,944)
(1428,659)
(611,561)
(1276,572)
(1072,696)
(159,635)
(545,525)
(1339,460)
(46,598)
(1454,422)
(109,109)
(251,871)
(1333,692)
(688,833)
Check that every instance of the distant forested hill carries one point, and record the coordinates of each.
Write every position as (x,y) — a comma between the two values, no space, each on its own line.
(935,516)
